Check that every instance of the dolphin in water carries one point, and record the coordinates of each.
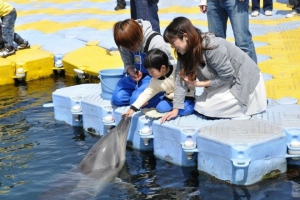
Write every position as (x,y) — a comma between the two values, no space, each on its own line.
(107,156)
(98,168)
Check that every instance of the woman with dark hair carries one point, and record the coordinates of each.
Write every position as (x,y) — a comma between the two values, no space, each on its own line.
(232,82)
(134,38)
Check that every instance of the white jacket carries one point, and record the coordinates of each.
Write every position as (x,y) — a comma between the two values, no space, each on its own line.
(160,85)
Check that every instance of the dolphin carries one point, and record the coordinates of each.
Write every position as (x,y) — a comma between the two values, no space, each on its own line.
(107,156)
(98,168)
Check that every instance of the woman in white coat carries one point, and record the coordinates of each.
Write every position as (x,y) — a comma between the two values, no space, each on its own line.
(233,84)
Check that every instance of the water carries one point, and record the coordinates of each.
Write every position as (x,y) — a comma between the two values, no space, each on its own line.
(38,153)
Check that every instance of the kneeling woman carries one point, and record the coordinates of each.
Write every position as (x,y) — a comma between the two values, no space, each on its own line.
(134,38)
(233,84)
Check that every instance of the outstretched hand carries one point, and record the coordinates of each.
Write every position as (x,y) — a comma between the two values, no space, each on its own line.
(128,113)
(137,76)
(170,115)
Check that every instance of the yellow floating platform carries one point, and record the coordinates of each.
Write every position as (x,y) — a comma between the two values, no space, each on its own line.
(91,59)
(84,22)
(7,71)
(34,63)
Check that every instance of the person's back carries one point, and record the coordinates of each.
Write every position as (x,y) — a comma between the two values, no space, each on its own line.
(235,54)
(244,67)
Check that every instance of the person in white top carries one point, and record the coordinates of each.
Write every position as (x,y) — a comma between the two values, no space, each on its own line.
(163,78)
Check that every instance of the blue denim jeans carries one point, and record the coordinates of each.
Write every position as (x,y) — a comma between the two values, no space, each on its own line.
(218,12)
(165,106)
(127,91)
(146,10)
(267,5)
(7,35)
(1,39)
(8,24)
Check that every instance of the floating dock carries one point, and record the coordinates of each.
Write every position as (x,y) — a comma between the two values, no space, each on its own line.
(241,151)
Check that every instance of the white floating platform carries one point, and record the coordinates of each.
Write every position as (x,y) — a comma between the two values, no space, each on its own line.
(240,151)
(65,99)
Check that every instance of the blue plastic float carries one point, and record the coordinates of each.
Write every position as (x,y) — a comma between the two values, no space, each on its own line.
(241,151)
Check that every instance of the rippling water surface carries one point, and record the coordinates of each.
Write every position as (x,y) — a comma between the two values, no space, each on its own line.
(38,153)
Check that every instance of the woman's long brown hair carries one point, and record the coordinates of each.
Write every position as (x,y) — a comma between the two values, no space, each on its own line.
(128,33)
(193,57)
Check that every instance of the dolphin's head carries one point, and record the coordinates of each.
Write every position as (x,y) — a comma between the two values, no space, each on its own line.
(108,154)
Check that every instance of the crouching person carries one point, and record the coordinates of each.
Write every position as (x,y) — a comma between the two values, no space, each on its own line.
(163,77)
(8,17)
(134,38)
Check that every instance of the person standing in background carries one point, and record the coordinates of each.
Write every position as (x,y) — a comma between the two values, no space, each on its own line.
(218,12)
(145,10)
(267,7)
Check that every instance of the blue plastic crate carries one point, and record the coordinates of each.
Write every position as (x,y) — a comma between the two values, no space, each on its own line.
(241,152)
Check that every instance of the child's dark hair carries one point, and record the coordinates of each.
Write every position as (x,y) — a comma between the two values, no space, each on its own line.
(155,58)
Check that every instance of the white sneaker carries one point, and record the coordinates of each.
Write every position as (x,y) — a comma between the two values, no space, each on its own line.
(7,52)
(292,14)
(254,13)
(268,13)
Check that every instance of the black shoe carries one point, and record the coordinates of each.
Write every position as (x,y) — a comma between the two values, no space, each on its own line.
(25,45)
(120,6)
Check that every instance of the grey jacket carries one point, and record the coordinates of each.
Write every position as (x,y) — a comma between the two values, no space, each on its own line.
(156,42)
(230,64)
